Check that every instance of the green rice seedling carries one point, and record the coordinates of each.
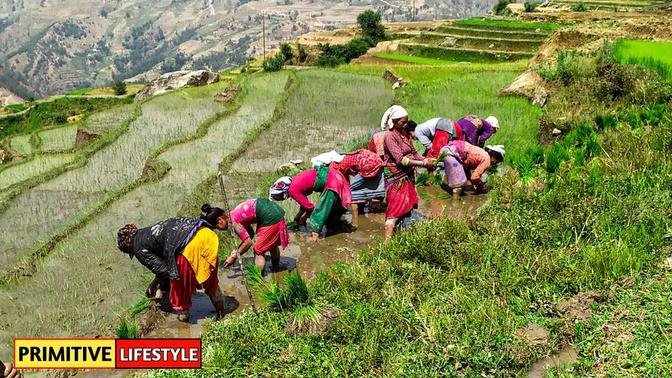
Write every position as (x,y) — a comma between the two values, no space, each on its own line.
(555,156)
(127,329)
(422,179)
(141,306)
(652,54)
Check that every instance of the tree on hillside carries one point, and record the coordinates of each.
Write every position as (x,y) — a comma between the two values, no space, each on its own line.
(286,50)
(500,7)
(372,29)
(119,87)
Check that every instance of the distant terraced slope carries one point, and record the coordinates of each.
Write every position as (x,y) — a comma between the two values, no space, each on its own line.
(476,40)
(609,5)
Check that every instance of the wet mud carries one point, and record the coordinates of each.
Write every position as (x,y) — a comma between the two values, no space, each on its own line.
(566,356)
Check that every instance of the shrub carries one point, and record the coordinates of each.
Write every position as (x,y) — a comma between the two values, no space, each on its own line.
(119,87)
(531,6)
(274,63)
(500,7)
(579,7)
(286,50)
(616,80)
(334,55)
(303,54)
(372,29)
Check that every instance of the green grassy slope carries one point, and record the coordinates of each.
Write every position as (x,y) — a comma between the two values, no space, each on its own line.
(452,296)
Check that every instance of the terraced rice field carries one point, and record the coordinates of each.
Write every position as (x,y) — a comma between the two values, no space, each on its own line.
(32,168)
(21,144)
(327,109)
(477,40)
(107,120)
(86,281)
(163,119)
(57,140)
(611,5)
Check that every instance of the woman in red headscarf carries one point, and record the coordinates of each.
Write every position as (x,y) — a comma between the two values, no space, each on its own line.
(364,168)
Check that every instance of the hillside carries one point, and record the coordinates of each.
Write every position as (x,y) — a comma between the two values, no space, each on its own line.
(563,269)
(50,46)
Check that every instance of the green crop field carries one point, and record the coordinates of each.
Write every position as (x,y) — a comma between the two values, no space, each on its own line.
(106,120)
(327,106)
(654,55)
(59,139)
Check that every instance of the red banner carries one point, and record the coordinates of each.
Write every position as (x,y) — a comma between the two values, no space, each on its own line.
(158,354)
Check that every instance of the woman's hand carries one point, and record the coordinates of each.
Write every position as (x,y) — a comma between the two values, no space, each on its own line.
(429,163)
(10,372)
(151,289)
(231,259)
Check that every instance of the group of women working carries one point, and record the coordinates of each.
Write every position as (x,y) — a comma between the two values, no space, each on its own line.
(183,252)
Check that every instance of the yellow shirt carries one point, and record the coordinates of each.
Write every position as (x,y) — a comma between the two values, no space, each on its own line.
(201,252)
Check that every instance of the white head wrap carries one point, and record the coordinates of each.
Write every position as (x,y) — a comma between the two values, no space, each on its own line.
(497,148)
(280,188)
(493,121)
(326,158)
(394,112)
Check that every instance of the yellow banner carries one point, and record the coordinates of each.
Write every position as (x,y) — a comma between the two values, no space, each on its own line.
(64,353)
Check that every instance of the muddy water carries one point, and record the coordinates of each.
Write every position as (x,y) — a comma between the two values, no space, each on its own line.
(566,356)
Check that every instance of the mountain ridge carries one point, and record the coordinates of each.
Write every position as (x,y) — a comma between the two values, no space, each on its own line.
(51,46)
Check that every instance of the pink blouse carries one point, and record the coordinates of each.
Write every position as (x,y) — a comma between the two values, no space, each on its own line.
(301,187)
(243,217)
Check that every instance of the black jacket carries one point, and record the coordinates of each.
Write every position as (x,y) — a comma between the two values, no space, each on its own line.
(158,246)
